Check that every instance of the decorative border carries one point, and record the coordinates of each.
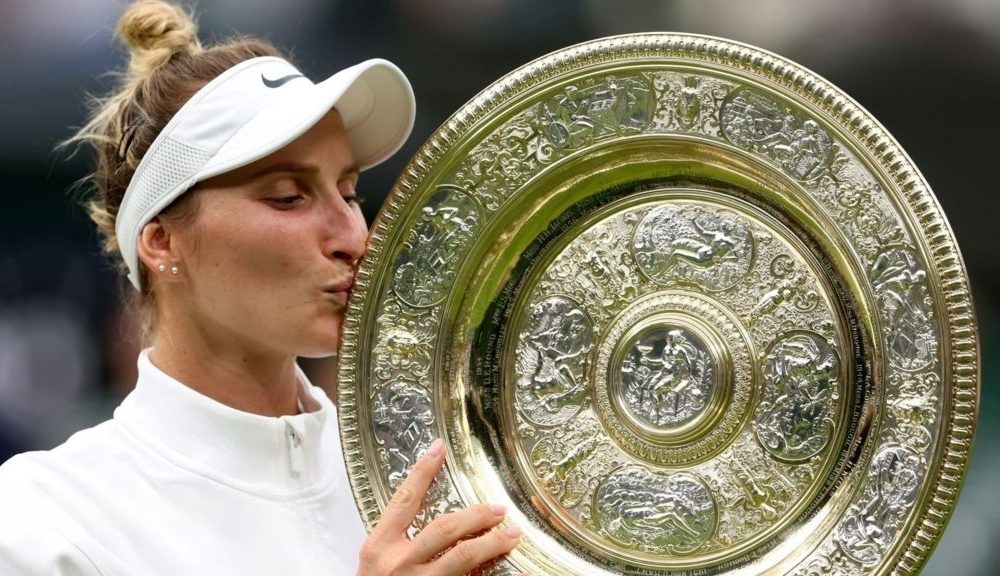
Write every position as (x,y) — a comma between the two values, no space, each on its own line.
(961,345)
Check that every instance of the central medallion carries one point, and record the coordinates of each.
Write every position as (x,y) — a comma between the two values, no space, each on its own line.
(675,390)
(667,378)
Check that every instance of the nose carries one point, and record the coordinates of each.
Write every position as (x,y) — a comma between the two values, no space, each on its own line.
(347,231)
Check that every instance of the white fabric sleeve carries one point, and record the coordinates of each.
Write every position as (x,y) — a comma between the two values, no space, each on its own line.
(30,548)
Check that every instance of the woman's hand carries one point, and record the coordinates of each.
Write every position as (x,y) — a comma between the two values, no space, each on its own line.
(387,551)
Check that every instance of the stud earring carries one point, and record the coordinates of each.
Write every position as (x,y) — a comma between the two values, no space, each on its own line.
(175,270)
(162,267)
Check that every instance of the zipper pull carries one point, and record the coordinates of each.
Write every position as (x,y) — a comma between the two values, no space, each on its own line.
(293,441)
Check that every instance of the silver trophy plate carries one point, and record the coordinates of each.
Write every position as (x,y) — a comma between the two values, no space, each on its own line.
(679,303)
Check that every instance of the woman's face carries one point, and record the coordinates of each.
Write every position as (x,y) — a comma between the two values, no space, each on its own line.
(269,258)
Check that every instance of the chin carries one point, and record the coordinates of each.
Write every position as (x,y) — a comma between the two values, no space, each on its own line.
(323,344)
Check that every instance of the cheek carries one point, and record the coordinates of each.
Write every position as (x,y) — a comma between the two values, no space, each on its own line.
(248,256)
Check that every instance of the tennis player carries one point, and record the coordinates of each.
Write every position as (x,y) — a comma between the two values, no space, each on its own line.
(226,185)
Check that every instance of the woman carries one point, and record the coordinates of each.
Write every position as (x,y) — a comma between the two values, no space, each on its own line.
(226,184)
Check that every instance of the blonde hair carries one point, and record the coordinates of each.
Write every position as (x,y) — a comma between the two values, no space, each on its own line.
(167,66)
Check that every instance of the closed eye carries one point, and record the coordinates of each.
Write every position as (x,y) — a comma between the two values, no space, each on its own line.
(286,201)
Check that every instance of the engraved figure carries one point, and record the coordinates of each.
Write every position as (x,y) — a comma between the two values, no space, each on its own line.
(691,244)
(901,291)
(689,103)
(578,116)
(664,514)
(403,344)
(667,377)
(870,526)
(564,460)
(913,408)
(706,249)
(794,420)
(757,495)
(609,273)
(403,417)
(551,358)
(430,257)
(504,160)
(757,122)
(790,287)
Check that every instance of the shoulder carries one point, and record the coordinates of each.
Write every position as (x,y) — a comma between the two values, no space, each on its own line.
(30,545)
(39,496)
(85,455)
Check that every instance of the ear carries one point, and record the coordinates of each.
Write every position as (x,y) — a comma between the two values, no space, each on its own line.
(158,252)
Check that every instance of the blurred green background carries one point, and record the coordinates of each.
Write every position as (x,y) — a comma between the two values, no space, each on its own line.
(929,70)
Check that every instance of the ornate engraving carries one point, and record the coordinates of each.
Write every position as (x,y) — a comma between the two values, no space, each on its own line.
(757,122)
(595,271)
(403,346)
(794,420)
(754,492)
(505,160)
(664,514)
(441,498)
(764,491)
(667,377)
(580,115)
(856,181)
(739,384)
(871,525)
(913,409)
(693,245)
(689,103)
(901,291)
(861,207)
(570,459)
(403,416)
(496,568)
(426,267)
(791,288)
(552,360)
(830,563)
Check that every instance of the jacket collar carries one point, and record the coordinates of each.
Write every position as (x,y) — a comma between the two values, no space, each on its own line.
(260,454)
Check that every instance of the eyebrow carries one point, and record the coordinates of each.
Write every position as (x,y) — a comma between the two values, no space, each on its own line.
(297,168)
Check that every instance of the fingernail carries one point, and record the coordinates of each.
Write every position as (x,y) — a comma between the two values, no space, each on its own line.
(498,509)
(436,447)
(513,532)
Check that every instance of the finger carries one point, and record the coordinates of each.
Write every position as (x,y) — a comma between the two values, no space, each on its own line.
(471,553)
(405,503)
(448,529)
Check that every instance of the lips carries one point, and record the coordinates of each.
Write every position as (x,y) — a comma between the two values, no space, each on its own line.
(341,287)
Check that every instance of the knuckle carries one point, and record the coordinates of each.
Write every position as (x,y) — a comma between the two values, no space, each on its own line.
(405,496)
(445,526)
(466,553)
(370,550)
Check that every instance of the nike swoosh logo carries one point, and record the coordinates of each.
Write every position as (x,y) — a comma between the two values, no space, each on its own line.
(279,81)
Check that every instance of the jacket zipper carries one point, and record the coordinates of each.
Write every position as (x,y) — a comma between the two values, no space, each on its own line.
(293,442)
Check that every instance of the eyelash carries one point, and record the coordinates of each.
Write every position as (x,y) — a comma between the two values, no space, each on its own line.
(291,200)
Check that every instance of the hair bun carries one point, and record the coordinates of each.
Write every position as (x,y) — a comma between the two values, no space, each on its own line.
(154,31)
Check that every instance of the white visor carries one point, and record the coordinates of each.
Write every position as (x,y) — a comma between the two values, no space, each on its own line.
(251,110)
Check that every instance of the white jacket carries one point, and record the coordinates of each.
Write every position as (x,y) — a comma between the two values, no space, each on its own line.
(179,484)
